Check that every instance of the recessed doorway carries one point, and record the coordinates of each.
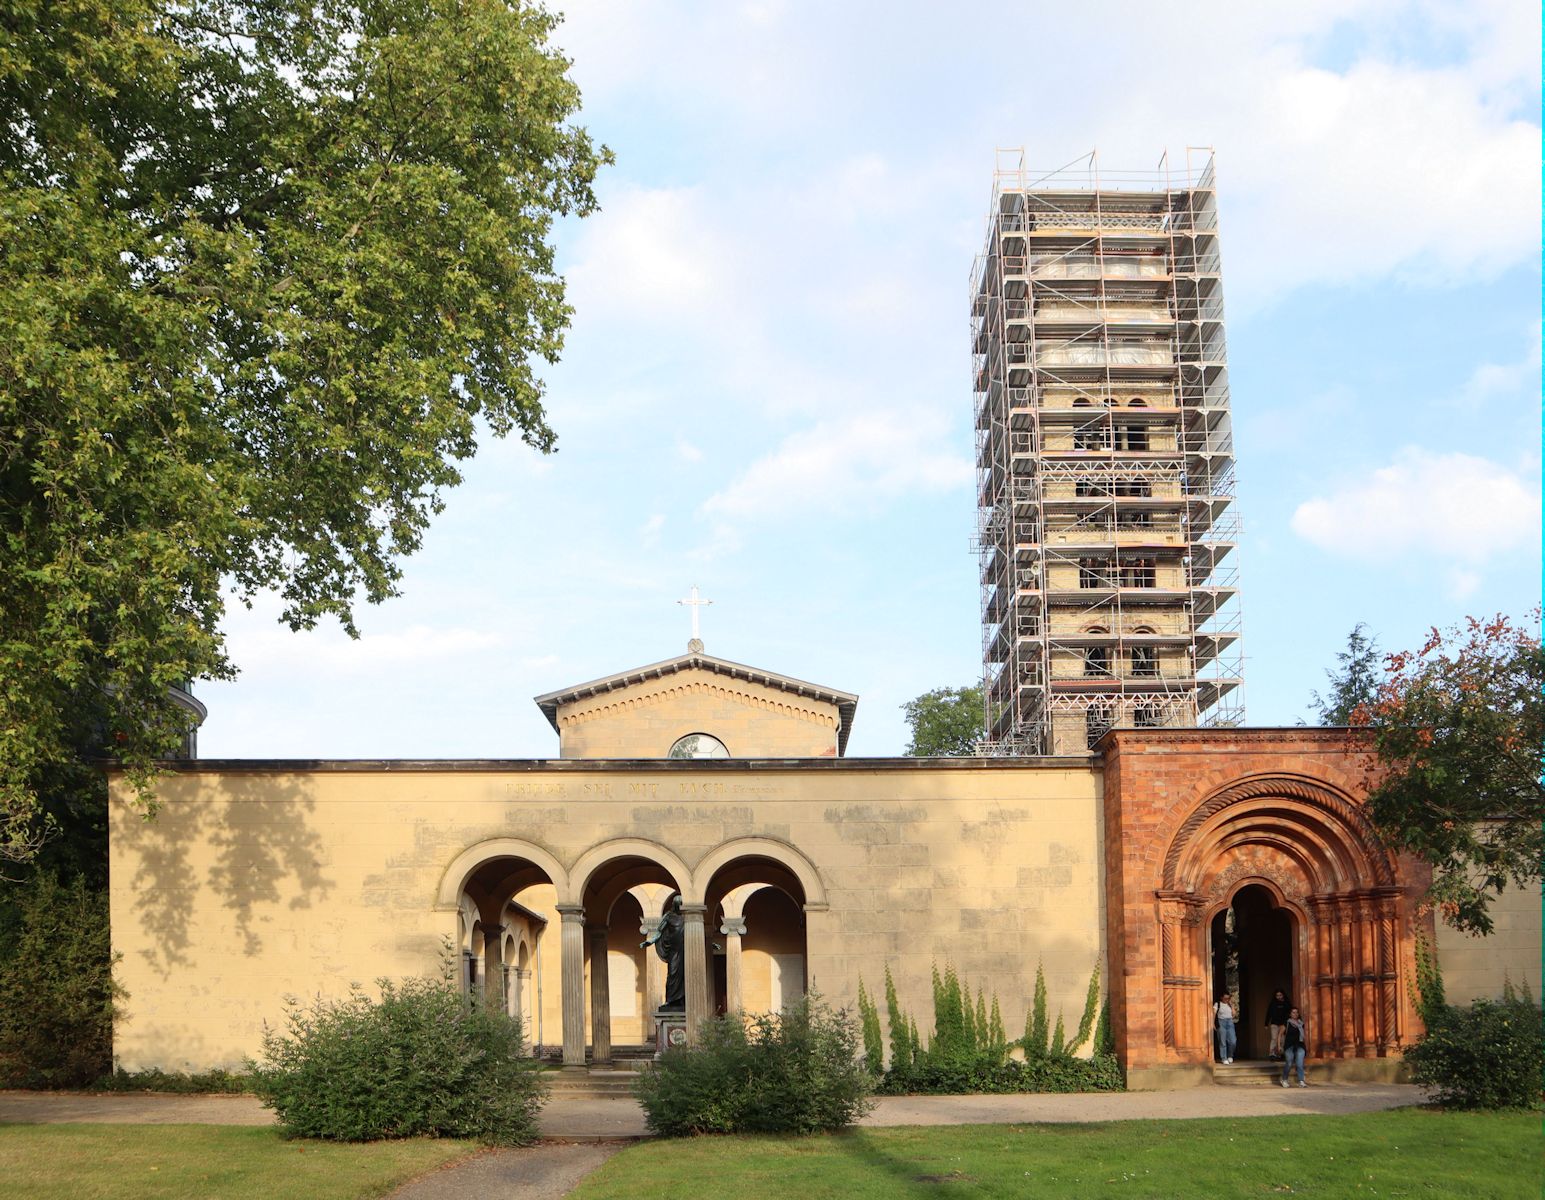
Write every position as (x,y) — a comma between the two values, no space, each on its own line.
(1252,956)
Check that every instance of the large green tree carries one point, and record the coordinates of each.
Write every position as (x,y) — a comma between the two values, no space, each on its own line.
(1353,682)
(946,722)
(269,270)
(1458,729)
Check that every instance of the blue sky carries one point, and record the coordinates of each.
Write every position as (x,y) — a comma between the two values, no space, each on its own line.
(766,387)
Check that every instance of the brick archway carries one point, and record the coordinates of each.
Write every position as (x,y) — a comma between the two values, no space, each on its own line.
(1185,836)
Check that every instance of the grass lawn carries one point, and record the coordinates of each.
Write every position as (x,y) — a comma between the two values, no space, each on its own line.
(1406,1152)
(202,1162)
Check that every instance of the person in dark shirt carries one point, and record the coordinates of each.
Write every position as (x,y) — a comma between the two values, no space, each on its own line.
(1294,1046)
(1276,1018)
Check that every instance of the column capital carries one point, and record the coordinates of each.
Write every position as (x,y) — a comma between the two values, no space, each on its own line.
(572,913)
(649,925)
(694,910)
(596,932)
(733,926)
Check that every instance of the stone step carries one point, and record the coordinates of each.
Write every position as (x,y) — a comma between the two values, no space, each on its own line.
(1249,1073)
(592,1082)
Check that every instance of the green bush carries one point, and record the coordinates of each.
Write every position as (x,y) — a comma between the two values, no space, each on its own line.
(1490,1055)
(421,1061)
(56,985)
(1045,1074)
(799,1071)
(157,1080)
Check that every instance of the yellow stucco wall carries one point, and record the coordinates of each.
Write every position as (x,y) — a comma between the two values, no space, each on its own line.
(1475,967)
(642,720)
(250,885)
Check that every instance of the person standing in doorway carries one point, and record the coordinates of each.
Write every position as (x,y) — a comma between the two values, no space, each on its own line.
(1223,1014)
(1294,1046)
(1276,1018)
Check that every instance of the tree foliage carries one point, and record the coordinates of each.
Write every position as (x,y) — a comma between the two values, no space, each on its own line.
(946,722)
(269,271)
(1354,682)
(1457,728)
(56,984)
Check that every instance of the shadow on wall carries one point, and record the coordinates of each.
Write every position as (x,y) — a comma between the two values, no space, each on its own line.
(252,840)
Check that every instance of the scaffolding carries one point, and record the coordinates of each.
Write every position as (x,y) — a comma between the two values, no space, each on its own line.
(1105,462)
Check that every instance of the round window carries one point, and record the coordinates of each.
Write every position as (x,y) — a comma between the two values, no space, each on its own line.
(698,745)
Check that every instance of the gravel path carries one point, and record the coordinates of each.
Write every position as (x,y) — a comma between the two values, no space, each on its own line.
(546,1172)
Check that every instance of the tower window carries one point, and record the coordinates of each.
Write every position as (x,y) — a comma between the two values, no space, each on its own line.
(1138,573)
(1094,573)
(1096,721)
(1145,662)
(1131,437)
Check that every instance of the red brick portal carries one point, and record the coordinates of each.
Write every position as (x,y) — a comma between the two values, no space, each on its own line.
(1195,817)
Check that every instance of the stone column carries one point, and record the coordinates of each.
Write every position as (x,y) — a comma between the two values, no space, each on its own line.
(733,929)
(696,968)
(493,966)
(654,977)
(1322,977)
(1389,972)
(572,952)
(522,996)
(1185,1019)
(600,998)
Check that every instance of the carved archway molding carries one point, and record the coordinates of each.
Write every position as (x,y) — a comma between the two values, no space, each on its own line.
(1340,816)
(1345,889)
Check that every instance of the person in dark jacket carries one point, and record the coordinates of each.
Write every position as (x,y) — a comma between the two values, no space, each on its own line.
(1295,1044)
(1276,1018)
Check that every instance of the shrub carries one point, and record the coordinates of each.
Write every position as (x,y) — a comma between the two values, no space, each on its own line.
(1037,1032)
(157,1080)
(421,1061)
(869,1018)
(1044,1074)
(799,1071)
(1490,1055)
(56,985)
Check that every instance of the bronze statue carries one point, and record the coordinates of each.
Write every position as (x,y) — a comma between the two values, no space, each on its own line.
(671,945)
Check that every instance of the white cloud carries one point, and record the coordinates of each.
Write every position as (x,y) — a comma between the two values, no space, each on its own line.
(1492,380)
(650,532)
(859,461)
(687,451)
(650,255)
(1456,506)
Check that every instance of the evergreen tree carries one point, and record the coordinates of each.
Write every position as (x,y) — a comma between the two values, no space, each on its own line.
(1354,684)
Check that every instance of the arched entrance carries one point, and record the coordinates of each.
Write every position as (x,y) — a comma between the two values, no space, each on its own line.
(498,936)
(612,882)
(1273,882)
(759,893)
(1253,948)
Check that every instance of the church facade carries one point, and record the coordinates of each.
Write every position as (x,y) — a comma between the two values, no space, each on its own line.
(1180,861)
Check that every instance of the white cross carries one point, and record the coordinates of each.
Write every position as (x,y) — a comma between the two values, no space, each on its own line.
(694,604)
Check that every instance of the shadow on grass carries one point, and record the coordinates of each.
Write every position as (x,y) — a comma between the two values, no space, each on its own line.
(905,1175)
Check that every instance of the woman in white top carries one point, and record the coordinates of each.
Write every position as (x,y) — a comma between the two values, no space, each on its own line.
(1223,1012)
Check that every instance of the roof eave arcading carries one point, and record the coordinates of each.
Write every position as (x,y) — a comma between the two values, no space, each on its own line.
(846,703)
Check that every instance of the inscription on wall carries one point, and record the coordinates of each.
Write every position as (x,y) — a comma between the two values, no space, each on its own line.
(616,789)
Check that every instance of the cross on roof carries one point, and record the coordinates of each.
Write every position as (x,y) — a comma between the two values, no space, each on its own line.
(694,604)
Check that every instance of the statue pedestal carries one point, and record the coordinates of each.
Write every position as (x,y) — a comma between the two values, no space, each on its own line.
(670,1030)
